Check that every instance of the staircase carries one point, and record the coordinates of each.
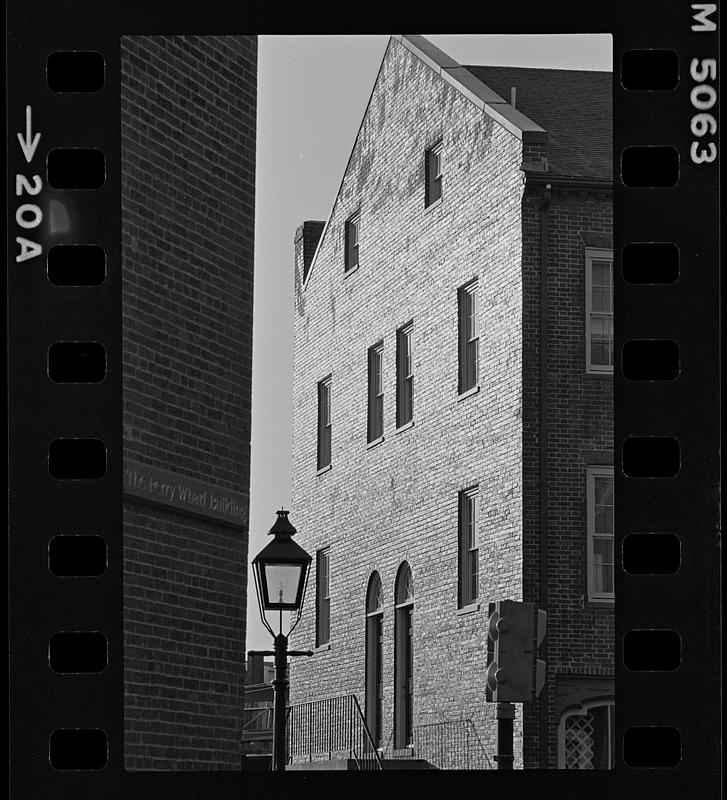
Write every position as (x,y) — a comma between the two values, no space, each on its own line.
(332,734)
(352,764)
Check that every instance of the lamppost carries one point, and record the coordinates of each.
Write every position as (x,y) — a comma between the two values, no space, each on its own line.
(281,570)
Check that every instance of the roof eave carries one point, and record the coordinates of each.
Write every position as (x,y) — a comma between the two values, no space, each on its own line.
(540,177)
(475,90)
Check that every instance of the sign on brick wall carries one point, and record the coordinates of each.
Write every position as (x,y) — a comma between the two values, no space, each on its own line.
(185,495)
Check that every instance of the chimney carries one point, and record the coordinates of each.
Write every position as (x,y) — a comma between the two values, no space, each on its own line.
(254,669)
(513,96)
(306,240)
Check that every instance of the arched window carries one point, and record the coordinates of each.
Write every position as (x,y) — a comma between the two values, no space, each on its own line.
(374,656)
(403,658)
(586,736)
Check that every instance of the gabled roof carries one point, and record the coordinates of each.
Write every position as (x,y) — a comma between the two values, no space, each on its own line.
(570,110)
(573,106)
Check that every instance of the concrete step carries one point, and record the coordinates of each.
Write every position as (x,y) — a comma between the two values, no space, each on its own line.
(255,762)
(406,763)
(350,764)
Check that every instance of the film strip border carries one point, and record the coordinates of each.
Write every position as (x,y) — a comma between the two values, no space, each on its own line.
(666,519)
(65,418)
(65,403)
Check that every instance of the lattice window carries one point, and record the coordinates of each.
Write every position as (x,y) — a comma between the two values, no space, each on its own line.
(587,737)
(579,742)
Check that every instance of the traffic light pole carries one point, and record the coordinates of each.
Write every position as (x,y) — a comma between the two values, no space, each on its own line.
(505,720)
(514,674)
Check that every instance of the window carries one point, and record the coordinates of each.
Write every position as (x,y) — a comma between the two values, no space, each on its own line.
(403,659)
(323,599)
(324,423)
(353,224)
(469,337)
(587,737)
(600,533)
(433,174)
(374,657)
(376,392)
(404,376)
(599,311)
(468,546)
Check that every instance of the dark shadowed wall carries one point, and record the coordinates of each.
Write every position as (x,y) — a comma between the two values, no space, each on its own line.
(188,139)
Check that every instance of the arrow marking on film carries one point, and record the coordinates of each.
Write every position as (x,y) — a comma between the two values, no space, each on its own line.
(30,142)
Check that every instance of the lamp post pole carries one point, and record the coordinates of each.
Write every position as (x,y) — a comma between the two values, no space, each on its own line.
(280,689)
(280,693)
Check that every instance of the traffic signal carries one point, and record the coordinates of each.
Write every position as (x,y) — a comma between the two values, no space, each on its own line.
(514,633)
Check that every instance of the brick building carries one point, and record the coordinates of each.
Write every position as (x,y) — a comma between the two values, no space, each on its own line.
(453,408)
(188,149)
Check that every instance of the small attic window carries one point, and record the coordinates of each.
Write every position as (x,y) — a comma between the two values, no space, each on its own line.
(433,174)
(353,223)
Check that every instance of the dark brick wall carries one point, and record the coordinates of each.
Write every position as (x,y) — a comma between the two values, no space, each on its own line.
(580,638)
(184,650)
(188,150)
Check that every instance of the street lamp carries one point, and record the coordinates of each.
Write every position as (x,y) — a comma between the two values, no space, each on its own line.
(281,570)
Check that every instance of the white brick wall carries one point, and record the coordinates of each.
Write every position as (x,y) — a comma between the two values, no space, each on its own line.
(398,501)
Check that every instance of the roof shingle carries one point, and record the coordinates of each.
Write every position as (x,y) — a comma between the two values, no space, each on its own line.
(574,107)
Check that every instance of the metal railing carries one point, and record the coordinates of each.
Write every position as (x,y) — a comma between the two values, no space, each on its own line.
(328,729)
(450,745)
(453,744)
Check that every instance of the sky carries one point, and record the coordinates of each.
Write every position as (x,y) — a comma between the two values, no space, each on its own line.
(312,95)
